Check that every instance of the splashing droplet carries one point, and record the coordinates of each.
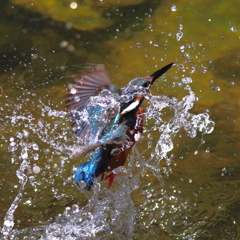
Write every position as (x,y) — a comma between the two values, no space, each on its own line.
(75,208)
(138,45)
(233,29)
(179,35)
(186,80)
(24,153)
(216,89)
(182,48)
(36,169)
(82,184)
(174,8)
(73,91)
(12,147)
(35,147)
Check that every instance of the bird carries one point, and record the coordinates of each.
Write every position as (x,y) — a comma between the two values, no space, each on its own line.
(106,120)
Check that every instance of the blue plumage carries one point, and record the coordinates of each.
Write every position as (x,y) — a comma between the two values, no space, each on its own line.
(87,172)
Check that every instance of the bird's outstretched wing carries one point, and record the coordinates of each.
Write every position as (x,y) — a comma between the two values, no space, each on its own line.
(87,84)
(89,105)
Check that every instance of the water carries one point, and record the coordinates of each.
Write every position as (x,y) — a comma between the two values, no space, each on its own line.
(9,217)
(180,182)
(90,221)
(108,212)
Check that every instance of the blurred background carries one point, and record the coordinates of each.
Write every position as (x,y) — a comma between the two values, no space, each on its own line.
(193,192)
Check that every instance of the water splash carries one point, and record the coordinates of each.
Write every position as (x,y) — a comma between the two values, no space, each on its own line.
(9,217)
(108,212)
(181,119)
(99,218)
(174,8)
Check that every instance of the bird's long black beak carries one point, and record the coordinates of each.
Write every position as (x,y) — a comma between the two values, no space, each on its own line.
(160,72)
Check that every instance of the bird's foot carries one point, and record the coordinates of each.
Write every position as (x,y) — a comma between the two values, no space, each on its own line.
(111,177)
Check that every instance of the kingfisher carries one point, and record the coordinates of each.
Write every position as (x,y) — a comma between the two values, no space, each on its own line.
(106,120)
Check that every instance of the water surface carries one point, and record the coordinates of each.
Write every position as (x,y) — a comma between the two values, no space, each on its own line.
(179,183)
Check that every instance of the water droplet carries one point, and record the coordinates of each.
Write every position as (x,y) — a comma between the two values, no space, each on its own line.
(187,55)
(47,166)
(25,133)
(216,89)
(174,8)
(138,45)
(35,146)
(73,5)
(224,170)
(187,80)
(77,99)
(24,153)
(182,48)
(36,169)
(233,29)
(35,156)
(75,208)
(64,44)
(148,194)
(82,184)
(67,210)
(12,147)
(179,35)
(73,91)
(34,56)
(28,202)
(162,212)
(19,135)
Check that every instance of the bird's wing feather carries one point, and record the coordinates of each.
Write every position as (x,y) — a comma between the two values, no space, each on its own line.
(89,118)
(87,84)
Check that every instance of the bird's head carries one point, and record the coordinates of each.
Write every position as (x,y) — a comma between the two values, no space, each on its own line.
(137,89)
